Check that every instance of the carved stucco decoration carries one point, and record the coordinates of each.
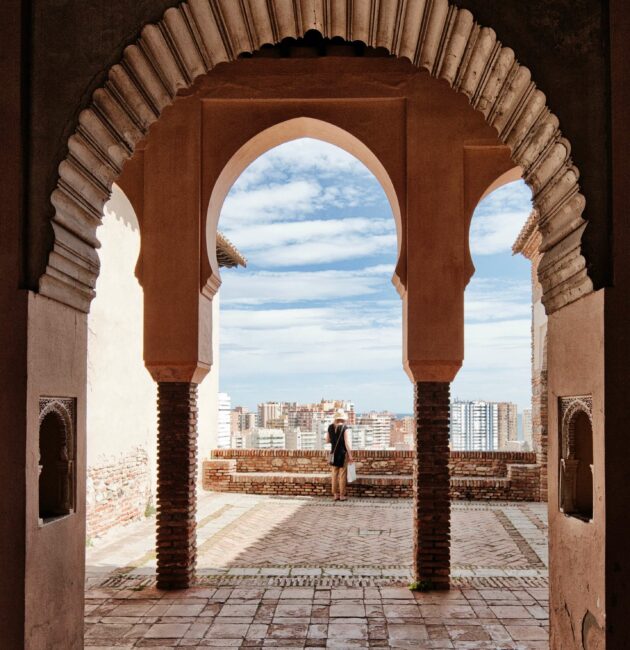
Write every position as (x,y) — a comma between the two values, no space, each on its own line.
(569,407)
(64,408)
(197,35)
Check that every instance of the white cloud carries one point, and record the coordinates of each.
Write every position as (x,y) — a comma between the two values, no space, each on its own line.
(296,180)
(499,218)
(494,299)
(299,158)
(295,286)
(495,233)
(270,203)
(261,236)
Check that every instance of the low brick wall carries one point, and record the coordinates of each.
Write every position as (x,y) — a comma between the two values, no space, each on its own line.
(118,491)
(503,476)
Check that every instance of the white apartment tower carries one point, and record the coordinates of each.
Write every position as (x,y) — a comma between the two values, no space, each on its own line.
(474,426)
(225,421)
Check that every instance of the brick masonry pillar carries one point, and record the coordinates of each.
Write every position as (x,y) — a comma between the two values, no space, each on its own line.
(431,483)
(176,488)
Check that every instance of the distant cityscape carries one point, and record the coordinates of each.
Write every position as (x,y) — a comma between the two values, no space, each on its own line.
(475,426)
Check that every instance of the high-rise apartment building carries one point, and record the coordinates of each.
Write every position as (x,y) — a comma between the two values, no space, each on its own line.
(225,421)
(263,438)
(379,426)
(528,429)
(508,424)
(242,419)
(474,426)
(268,411)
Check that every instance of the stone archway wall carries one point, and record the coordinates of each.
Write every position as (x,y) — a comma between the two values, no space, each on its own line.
(196,36)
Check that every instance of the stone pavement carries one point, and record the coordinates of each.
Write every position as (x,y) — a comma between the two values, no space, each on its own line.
(299,572)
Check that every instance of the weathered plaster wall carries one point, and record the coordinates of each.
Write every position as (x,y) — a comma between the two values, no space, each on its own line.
(577,548)
(121,395)
(55,552)
(121,407)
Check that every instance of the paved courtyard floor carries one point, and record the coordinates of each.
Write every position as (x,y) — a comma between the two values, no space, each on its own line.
(310,573)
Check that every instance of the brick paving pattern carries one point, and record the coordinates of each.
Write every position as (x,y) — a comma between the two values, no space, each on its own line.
(307,573)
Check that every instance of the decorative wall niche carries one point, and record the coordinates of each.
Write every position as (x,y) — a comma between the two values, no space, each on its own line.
(576,456)
(57,457)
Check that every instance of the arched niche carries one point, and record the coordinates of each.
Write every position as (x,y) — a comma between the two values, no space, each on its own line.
(57,456)
(576,460)
(294,129)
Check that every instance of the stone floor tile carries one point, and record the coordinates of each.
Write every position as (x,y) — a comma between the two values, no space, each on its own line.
(397,593)
(445,612)
(510,611)
(538,612)
(317,631)
(219,630)
(293,610)
(288,631)
(197,631)
(468,633)
(184,610)
(345,593)
(108,630)
(527,632)
(344,631)
(294,593)
(407,632)
(401,611)
(238,610)
(347,610)
(167,631)
(257,631)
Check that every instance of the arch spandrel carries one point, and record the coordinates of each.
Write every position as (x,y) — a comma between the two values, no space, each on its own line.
(194,37)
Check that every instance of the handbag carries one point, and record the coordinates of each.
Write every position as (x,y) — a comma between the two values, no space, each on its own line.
(331,455)
(352,472)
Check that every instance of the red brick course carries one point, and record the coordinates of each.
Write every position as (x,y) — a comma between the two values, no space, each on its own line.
(431,484)
(474,475)
(118,492)
(176,491)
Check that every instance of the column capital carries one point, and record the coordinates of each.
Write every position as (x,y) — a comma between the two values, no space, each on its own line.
(192,373)
(429,371)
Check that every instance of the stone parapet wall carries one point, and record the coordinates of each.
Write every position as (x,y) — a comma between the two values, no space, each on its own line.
(487,463)
(118,491)
(300,462)
(387,474)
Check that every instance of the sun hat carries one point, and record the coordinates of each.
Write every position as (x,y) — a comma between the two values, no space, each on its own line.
(340,414)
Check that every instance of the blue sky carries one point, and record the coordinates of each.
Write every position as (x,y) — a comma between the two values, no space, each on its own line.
(315,315)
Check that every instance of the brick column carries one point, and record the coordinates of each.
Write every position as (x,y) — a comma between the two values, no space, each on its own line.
(176,489)
(431,483)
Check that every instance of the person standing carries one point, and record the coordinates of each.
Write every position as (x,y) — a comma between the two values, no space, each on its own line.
(339,440)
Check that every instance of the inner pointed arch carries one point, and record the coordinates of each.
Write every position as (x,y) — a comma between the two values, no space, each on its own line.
(281,133)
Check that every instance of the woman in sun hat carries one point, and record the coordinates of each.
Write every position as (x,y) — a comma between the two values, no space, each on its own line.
(341,455)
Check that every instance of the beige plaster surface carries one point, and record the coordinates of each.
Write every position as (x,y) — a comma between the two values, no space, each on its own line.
(55,551)
(577,548)
(121,394)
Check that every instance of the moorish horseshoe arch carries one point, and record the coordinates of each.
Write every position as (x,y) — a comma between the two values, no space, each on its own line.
(195,36)
(286,131)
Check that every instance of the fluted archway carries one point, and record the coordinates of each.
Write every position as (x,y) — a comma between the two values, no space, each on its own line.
(194,37)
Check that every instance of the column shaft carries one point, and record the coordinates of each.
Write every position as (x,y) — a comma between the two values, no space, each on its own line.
(176,490)
(432,506)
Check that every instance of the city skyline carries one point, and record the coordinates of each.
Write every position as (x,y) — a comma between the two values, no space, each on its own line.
(474,426)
